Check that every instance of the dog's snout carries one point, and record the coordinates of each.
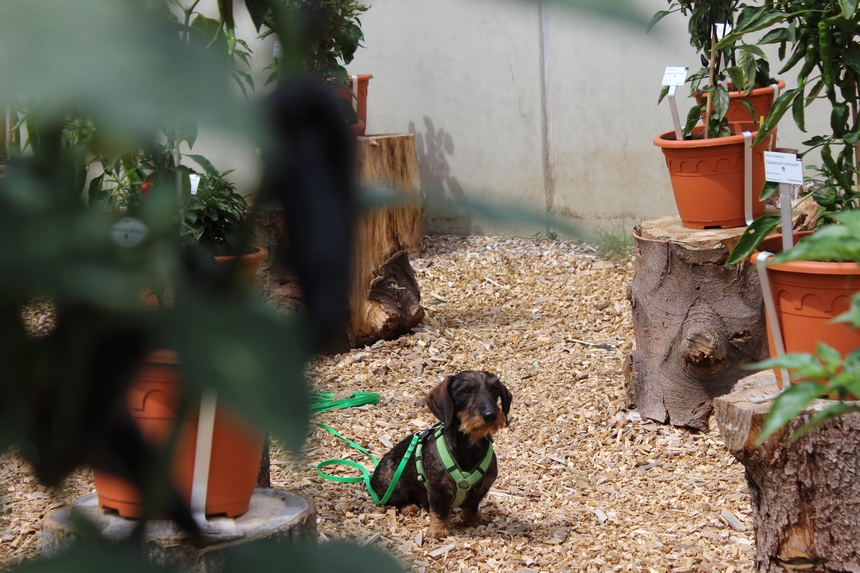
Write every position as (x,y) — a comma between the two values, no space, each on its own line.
(490,414)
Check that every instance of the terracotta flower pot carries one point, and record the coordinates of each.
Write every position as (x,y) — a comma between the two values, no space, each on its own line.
(808,295)
(358,84)
(248,264)
(760,98)
(152,401)
(708,177)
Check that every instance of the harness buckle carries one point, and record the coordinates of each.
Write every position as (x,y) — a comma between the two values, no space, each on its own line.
(464,485)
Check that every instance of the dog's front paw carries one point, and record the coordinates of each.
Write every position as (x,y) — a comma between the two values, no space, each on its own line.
(474,518)
(439,527)
(409,509)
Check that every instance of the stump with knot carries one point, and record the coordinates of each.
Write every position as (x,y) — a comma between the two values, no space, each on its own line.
(696,322)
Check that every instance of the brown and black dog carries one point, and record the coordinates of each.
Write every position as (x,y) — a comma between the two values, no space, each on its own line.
(472,405)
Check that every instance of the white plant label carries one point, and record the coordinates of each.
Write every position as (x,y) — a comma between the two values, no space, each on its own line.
(127,232)
(722,28)
(675,76)
(783,168)
(194,179)
(277,49)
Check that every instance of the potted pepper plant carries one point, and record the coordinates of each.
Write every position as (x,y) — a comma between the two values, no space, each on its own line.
(813,285)
(330,32)
(707,164)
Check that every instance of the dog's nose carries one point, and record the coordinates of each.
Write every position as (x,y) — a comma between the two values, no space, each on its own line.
(489,415)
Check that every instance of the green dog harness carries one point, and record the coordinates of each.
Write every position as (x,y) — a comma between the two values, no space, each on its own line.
(464,480)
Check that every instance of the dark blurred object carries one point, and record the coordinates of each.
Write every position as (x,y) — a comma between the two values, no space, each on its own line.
(309,171)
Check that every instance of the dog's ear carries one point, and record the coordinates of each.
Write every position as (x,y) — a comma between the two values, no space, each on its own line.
(503,393)
(440,403)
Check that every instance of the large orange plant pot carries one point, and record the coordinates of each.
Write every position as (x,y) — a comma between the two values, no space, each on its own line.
(761,100)
(236,448)
(808,295)
(359,99)
(248,264)
(708,178)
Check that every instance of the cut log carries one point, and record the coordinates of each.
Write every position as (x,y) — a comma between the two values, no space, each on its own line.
(384,298)
(390,162)
(805,494)
(695,321)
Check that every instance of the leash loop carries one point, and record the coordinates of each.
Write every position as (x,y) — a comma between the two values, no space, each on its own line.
(365,475)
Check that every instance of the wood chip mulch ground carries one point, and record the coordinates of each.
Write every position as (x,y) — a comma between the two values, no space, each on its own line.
(584,485)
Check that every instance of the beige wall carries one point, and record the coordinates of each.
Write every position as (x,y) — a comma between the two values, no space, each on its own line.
(466,77)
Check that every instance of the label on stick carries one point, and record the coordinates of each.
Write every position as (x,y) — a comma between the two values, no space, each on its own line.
(675,76)
(783,168)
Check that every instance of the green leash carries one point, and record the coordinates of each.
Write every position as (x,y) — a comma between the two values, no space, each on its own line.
(322,401)
(365,475)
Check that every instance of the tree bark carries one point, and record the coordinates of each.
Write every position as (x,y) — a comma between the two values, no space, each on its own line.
(390,162)
(805,494)
(695,321)
(384,299)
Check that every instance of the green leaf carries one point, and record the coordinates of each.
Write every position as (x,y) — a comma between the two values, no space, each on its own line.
(765,21)
(94,192)
(851,316)
(752,237)
(258,9)
(839,116)
(848,8)
(252,356)
(775,36)
(94,558)
(829,242)
(78,46)
(749,107)
(334,556)
(778,110)
(204,163)
(657,17)
(815,141)
(663,93)
(768,190)
(829,356)
(693,117)
(720,100)
(788,405)
(798,109)
(752,49)
(824,416)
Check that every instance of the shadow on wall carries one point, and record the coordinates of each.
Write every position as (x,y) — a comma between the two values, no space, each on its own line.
(445,195)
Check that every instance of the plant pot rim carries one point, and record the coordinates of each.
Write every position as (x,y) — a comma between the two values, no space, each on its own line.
(806,267)
(667,140)
(757,91)
(259,254)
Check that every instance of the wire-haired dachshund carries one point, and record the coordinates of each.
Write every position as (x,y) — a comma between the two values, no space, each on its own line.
(471,406)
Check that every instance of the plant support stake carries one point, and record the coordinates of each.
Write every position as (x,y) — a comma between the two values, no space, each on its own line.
(785,212)
(773,319)
(676,120)
(748,198)
(673,77)
(202,456)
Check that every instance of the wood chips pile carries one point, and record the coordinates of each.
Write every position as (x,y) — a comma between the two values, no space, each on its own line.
(584,485)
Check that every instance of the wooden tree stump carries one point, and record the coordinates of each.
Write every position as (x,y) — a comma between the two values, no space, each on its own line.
(695,321)
(384,298)
(390,162)
(272,514)
(805,494)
